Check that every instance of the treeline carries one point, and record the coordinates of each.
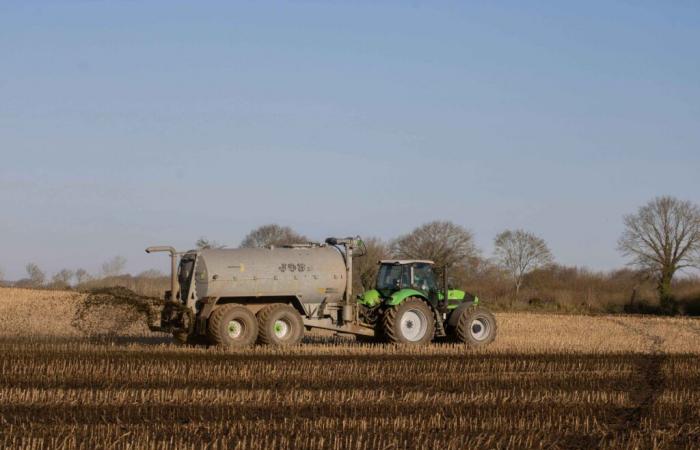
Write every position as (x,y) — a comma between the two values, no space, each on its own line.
(660,239)
(150,282)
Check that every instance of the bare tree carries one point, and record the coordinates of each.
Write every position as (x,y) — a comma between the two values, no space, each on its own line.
(443,242)
(272,234)
(204,243)
(2,275)
(519,252)
(63,277)
(114,266)
(35,275)
(81,276)
(662,238)
(365,267)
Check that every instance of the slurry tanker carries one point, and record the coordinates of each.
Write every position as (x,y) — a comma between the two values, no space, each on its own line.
(272,295)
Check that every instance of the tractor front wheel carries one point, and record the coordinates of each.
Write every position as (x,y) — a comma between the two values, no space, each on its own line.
(476,326)
(411,322)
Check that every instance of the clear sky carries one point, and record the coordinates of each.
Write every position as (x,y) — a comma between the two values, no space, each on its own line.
(126,124)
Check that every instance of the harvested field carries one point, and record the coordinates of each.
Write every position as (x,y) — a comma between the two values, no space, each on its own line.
(550,381)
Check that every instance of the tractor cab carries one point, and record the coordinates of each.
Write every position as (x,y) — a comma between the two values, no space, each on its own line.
(395,275)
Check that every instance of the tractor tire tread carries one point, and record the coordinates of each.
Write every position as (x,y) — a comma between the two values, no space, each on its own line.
(389,328)
(462,332)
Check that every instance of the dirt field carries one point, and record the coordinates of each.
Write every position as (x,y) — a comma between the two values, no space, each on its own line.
(548,382)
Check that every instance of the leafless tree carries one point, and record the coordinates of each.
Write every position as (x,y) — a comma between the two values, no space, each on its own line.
(272,234)
(114,266)
(2,275)
(35,275)
(443,242)
(81,276)
(519,252)
(365,267)
(662,238)
(63,277)
(204,243)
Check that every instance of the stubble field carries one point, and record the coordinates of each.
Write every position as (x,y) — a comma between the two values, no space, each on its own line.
(549,381)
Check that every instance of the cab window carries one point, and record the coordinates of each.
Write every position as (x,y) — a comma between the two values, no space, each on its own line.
(389,277)
(423,277)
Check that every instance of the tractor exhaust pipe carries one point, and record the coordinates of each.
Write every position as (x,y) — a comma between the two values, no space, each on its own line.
(445,283)
(173,267)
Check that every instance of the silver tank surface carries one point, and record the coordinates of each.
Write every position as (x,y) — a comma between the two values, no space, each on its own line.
(311,273)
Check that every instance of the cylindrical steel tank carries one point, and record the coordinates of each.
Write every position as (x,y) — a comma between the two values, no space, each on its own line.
(310,273)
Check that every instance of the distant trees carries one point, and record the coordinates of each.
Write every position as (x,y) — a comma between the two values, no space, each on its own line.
(443,242)
(519,252)
(35,276)
(204,243)
(663,237)
(365,267)
(114,266)
(63,277)
(81,276)
(272,234)
(2,275)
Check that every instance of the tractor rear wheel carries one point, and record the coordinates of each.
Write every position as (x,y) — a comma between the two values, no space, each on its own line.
(476,326)
(232,325)
(411,322)
(280,324)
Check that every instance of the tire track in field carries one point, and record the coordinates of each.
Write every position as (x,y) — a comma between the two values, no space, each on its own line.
(645,395)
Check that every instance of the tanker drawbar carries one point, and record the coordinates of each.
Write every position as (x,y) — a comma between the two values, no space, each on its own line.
(272,295)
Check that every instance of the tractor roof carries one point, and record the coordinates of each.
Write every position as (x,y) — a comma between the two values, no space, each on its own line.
(405,261)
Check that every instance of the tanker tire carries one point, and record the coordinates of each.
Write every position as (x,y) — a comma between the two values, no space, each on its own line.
(232,326)
(280,325)
(400,322)
(476,327)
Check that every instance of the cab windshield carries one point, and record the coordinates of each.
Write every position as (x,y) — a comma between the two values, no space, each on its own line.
(392,277)
(424,277)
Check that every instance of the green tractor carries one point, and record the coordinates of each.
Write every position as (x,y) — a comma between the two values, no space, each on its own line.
(407,306)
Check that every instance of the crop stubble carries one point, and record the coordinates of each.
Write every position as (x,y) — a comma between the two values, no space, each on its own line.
(549,381)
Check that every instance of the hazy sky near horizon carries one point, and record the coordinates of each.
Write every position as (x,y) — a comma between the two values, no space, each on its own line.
(128,124)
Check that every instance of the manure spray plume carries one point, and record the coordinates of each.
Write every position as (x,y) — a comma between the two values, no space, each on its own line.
(113,310)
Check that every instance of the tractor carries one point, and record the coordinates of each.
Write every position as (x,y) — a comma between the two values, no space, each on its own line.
(408,306)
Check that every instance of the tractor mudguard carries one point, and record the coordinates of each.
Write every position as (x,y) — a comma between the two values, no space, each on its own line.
(399,296)
(370,298)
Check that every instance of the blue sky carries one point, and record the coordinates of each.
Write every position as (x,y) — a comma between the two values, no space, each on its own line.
(126,124)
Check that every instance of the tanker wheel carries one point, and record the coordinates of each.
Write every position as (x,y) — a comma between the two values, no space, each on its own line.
(411,322)
(232,326)
(476,327)
(280,324)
